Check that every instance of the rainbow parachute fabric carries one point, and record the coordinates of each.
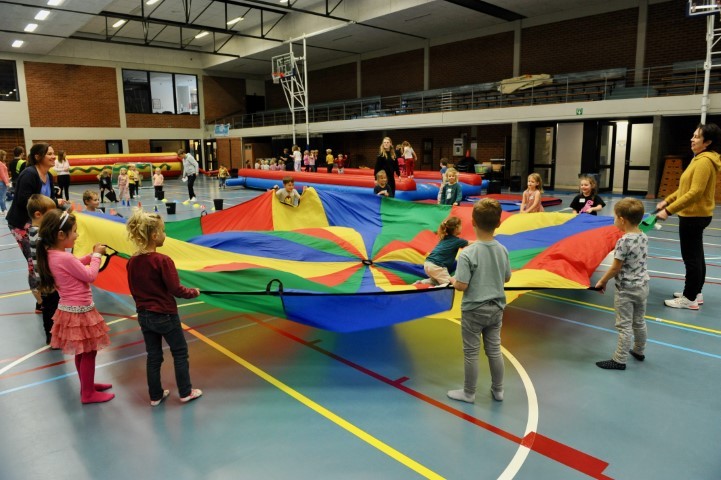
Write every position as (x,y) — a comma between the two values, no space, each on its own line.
(346,262)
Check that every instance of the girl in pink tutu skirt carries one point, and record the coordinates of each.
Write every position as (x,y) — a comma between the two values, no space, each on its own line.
(78,329)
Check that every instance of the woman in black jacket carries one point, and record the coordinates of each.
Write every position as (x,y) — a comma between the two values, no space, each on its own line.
(33,179)
(387,161)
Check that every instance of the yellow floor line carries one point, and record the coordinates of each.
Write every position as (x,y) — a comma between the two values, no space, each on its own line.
(366,437)
(647,317)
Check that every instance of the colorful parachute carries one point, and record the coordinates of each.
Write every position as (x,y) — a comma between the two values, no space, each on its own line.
(347,262)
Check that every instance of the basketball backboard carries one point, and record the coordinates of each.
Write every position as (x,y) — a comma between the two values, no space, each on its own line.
(703,7)
(282,66)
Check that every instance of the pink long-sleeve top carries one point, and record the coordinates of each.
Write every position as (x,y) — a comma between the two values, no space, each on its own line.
(73,276)
(4,173)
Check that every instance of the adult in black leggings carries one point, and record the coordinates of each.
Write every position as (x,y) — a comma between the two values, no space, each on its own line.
(694,203)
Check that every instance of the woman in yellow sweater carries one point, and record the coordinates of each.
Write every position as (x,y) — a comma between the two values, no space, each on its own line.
(694,203)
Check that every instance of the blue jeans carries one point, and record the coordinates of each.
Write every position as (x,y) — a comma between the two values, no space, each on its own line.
(3,192)
(155,328)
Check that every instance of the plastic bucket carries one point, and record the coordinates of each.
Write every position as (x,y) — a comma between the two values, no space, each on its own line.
(171,208)
(218,203)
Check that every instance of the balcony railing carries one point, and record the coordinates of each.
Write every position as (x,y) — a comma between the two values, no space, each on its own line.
(685,78)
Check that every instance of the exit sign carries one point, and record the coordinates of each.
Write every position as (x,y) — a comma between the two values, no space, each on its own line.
(579,111)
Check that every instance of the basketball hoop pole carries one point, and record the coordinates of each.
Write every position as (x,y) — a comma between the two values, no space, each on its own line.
(294,85)
(707,67)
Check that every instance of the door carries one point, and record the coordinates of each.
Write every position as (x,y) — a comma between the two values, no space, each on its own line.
(211,148)
(427,155)
(638,158)
(543,154)
(606,155)
(113,146)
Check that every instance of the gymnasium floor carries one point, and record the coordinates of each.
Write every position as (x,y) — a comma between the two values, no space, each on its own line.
(284,401)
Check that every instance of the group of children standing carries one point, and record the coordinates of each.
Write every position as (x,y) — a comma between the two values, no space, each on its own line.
(483,268)
(129,182)
(71,321)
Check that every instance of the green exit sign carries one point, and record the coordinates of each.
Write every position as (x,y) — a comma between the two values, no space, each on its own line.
(579,111)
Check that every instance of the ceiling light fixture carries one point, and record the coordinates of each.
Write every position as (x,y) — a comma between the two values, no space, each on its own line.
(30,27)
(18,43)
(151,2)
(234,21)
(201,34)
(118,23)
(42,15)
(54,3)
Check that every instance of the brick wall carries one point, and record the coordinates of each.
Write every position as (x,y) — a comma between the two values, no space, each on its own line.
(478,60)
(229,152)
(223,96)
(673,37)
(334,83)
(274,97)
(138,146)
(159,120)
(76,147)
(9,139)
(71,95)
(392,74)
(591,43)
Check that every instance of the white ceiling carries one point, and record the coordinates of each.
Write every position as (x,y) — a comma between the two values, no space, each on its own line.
(351,29)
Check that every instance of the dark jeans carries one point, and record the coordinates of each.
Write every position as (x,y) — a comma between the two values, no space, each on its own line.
(155,328)
(50,305)
(191,181)
(64,184)
(690,233)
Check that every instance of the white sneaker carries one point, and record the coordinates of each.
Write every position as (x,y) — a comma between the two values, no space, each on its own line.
(192,199)
(699,297)
(681,302)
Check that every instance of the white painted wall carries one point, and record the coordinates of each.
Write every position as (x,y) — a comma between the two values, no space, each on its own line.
(569,145)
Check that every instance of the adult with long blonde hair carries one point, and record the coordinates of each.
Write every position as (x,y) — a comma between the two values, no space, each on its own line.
(387,162)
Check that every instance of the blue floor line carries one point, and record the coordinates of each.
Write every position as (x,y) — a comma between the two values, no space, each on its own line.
(614,332)
(659,323)
(120,360)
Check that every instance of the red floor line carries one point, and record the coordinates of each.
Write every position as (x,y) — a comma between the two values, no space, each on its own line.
(559,452)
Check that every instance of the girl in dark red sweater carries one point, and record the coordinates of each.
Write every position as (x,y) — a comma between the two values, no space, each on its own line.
(154,284)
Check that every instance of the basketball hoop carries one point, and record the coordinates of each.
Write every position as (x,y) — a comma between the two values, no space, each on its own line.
(277,76)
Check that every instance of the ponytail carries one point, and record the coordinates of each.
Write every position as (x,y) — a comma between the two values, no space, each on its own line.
(448,226)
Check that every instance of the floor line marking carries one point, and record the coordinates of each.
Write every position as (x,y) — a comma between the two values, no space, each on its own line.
(560,453)
(316,407)
(608,330)
(609,309)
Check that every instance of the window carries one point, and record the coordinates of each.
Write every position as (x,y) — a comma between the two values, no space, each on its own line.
(186,94)
(159,92)
(8,82)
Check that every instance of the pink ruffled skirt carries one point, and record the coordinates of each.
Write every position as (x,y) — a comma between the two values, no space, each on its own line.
(76,333)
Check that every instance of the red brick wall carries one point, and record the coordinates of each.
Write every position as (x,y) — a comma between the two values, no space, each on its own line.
(591,43)
(223,96)
(76,147)
(392,74)
(139,146)
(672,37)
(274,98)
(229,152)
(478,60)
(71,95)
(159,120)
(9,139)
(334,83)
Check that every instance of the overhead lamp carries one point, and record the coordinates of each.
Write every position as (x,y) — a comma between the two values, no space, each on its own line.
(54,3)
(234,21)
(201,34)
(30,27)
(151,2)
(118,23)
(18,43)
(42,15)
